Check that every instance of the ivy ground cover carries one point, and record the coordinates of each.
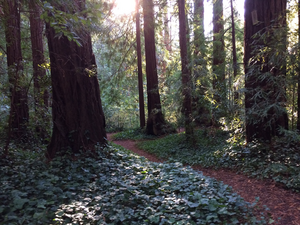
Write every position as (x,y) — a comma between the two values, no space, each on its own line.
(113,187)
(278,160)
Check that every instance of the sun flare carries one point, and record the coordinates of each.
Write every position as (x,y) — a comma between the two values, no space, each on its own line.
(124,7)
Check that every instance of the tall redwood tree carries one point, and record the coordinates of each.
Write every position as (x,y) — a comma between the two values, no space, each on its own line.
(185,72)
(219,82)
(156,122)
(298,100)
(41,94)
(78,118)
(264,94)
(199,37)
(19,112)
(139,63)
(36,31)
(200,105)
(234,55)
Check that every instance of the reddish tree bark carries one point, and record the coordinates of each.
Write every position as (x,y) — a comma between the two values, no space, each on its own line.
(199,103)
(234,57)
(298,100)
(259,15)
(37,45)
(156,122)
(185,72)
(41,94)
(140,71)
(219,84)
(78,118)
(199,38)
(19,112)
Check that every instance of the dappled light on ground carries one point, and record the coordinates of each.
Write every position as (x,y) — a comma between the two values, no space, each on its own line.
(113,186)
(284,204)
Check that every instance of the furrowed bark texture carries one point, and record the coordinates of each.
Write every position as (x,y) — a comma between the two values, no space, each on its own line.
(234,55)
(259,16)
(156,121)
(199,38)
(219,82)
(36,31)
(140,72)
(202,114)
(19,113)
(185,71)
(78,118)
(298,100)
(41,94)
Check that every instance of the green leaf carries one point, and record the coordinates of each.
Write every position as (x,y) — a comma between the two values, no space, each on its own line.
(38,215)
(212,207)
(154,219)
(19,202)
(50,193)
(193,204)
(210,217)
(223,211)
(41,204)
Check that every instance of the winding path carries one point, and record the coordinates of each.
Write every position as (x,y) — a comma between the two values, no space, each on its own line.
(284,204)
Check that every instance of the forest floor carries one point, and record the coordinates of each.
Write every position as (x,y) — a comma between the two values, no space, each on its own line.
(284,204)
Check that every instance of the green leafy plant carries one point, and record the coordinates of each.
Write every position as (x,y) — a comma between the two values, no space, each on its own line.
(278,160)
(113,187)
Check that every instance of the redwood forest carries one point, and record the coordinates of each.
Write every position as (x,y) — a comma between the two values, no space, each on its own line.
(150,112)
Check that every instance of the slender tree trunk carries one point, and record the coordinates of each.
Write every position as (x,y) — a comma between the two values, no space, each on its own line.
(167,38)
(19,112)
(260,15)
(36,30)
(234,57)
(188,37)
(78,118)
(140,72)
(186,72)
(293,106)
(199,103)
(156,122)
(41,94)
(199,38)
(219,82)
(298,100)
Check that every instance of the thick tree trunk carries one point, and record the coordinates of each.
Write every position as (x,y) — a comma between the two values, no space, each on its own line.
(258,16)
(156,122)
(78,118)
(186,72)
(19,112)
(140,72)
(219,82)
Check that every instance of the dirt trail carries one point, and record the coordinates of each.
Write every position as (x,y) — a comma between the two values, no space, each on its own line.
(284,204)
